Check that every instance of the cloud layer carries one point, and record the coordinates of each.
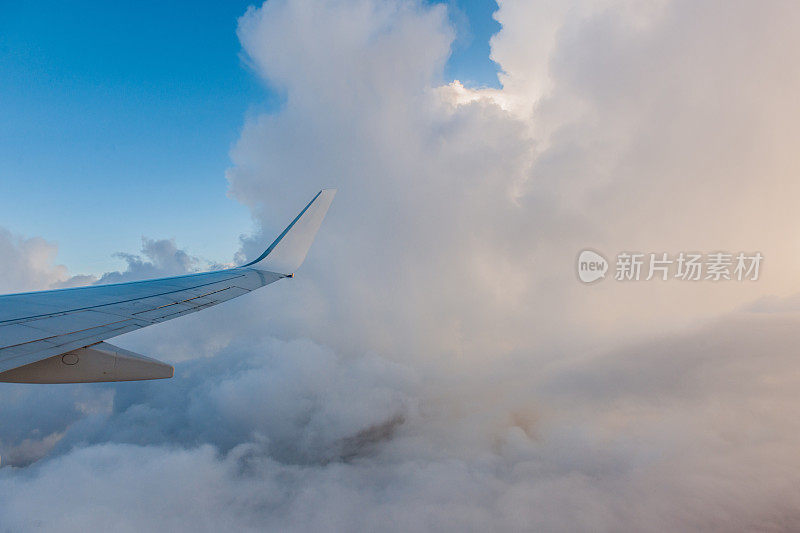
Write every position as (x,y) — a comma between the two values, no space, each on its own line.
(437,366)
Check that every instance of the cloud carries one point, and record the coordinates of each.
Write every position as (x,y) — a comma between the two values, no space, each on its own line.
(435,364)
(299,401)
(159,258)
(680,433)
(28,263)
(457,225)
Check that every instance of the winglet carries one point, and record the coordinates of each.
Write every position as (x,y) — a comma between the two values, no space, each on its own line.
(287,252)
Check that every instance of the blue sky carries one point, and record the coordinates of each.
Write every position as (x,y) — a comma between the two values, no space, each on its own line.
(117,120)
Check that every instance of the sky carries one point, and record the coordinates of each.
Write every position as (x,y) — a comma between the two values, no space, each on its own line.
(157,92)
(436,364)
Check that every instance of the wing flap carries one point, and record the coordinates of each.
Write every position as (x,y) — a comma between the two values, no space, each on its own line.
(100,362)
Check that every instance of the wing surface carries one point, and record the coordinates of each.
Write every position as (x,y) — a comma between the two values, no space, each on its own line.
(38,325)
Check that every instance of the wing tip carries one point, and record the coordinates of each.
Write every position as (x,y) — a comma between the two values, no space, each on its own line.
(288,251)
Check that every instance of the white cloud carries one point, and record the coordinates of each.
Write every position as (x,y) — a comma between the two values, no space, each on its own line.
(457,375)
(669,434)
(28,263)
(159,258)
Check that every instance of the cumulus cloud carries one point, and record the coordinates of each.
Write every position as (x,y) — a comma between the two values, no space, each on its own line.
(295,399)
(159,258)
(648,137)
(28,263)
(691,432)
(437,365)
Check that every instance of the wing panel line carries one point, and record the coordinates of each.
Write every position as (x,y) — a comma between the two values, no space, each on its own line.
(58,313)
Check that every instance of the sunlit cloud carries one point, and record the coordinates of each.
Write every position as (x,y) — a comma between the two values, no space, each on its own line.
(436,363)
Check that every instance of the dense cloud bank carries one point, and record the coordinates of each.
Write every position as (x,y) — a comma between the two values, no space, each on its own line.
(691,432)
(437,365)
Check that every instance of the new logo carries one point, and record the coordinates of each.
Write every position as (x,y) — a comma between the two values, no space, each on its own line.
(591,266)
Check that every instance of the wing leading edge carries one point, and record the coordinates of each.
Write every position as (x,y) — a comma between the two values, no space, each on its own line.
(67,327)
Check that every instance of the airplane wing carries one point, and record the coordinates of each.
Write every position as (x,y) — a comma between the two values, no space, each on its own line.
(58,336)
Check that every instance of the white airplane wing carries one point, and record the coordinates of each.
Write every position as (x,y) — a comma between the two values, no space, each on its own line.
(57,336)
